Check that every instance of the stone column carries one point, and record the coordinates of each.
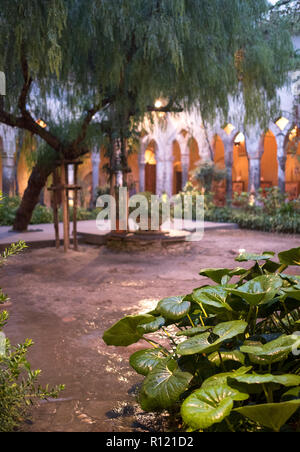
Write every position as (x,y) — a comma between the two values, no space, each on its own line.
(183,140)
(281,157)
(142,164)
(8,173)
(8,160)
(254,174)
(185,164)
(169,171)
(96,159)
(160,175)
(255,149)
(228,141)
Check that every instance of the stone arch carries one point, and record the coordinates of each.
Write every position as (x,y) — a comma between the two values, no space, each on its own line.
(240,167)
(269,162)
(177,168)
(150,160)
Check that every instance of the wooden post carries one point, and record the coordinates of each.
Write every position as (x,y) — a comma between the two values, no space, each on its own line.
(65,206)
(55,208)
(75,199)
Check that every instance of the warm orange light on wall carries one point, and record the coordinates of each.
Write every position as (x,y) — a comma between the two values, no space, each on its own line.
(150,157)
(293,134)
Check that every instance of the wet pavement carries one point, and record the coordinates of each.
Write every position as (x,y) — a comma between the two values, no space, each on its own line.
(65,303)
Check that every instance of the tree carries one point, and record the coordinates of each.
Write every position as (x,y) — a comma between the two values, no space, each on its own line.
(113,59)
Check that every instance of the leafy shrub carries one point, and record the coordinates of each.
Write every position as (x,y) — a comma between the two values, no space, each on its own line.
(8,210)
(18,383)
(41,214)
(224,356)
(206,173)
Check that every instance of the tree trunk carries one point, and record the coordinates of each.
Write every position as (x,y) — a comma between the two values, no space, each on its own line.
(36,183)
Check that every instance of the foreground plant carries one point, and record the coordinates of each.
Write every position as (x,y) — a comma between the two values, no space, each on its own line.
(18,383)
(228,353)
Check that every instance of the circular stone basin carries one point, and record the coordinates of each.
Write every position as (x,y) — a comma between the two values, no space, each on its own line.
(142,240)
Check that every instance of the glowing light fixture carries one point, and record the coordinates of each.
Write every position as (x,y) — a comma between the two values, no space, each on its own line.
(282,123)
(239,139)
(158,104)
(229,129)
(41,123)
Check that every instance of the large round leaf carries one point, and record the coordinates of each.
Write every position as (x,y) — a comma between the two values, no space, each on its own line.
(246,257)
(174,308)
(229,330)
(144,361)
(222,378)
(234,356)
(195,345)
(151,327)
(259,290)
(201,343)
(213,298)
(274,351)
(291,394)
(163,386)
(125,332)
(194,331)
(209,406)
(290,257)
(288,380)
(222,275)
(271,415)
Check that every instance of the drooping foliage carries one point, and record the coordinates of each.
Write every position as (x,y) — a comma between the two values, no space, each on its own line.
(77,63)
(135,51)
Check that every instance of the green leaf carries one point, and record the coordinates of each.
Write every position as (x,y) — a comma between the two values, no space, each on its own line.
(164,386)
(125,332)
(274,351)
(209,406)
(288,380)
(246,257)
(292,394)
(201,343)
(197,344)
(222,275)
(259,290)
(144,361)
(222,378)
(194,331)
(151,327)
(229,330)
(174,308)
(293,292)
(271,415)
(291,257)
(213,297)
(234,356)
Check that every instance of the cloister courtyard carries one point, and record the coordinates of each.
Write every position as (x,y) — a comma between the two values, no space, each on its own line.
(65,302)
(150,218)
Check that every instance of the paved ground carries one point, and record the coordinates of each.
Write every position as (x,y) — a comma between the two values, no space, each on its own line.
(65,302)
(42,235)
